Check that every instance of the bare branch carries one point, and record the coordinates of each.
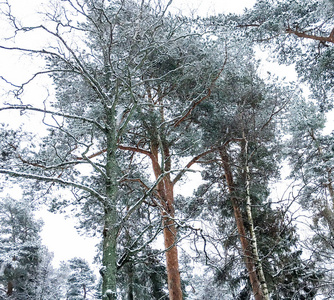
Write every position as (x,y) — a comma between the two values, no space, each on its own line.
(95,166)
(28,107)
(189,164)
(138,150)
(93,192)
(329,39)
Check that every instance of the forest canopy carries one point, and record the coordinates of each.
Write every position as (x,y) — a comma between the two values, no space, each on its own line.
(110,110)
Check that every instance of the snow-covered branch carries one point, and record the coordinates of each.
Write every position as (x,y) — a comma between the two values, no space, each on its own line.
(55,113)
(54,180)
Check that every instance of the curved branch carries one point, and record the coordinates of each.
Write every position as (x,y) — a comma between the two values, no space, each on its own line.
(20,87)
(190,163)
(28,107)
(94,193)
(138,150)
(329,39)
(208,94)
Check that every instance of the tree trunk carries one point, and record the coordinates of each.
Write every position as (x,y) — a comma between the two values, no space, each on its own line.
(10,288)
(246,247)
(110,231)
(172,261)
(166,193)
(252,232)
(130,294)
(109,256)
(84,291)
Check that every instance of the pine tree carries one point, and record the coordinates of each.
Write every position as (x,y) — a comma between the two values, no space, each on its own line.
(299,33)
(80,281)
(245,132)
(163,126)
(311,162)
(20,244)
(126,56)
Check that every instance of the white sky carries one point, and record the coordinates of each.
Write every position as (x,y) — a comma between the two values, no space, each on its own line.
(212,7)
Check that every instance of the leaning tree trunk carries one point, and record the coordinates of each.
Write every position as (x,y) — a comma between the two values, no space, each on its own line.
(246,247)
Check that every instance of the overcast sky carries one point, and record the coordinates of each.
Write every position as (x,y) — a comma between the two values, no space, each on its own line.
(211,7)
(59,234)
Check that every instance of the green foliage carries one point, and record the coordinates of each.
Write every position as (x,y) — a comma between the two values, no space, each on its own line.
(312,155)
(296,32)
(26,271)
(80,280)
(144,276)
(288,275)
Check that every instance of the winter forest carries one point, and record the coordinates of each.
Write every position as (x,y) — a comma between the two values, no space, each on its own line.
(171,139)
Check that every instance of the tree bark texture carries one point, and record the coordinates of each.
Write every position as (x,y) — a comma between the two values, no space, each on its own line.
(110,231)
(253,238)
(165,190)
(329,39)
(172,261)
(245,245)
(10,288)
(109,268)
(129,271)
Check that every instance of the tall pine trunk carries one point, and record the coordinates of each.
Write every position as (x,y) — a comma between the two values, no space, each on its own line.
(170,237)
(166,193)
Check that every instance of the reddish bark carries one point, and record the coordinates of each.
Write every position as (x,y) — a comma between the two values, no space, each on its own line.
(329,39)
(165,191)
(166,194)
(173,273)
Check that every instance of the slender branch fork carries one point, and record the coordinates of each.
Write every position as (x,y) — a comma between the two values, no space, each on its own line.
(193,105)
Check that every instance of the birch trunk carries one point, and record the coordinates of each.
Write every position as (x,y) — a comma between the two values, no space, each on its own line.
(246,247)
(253,238)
